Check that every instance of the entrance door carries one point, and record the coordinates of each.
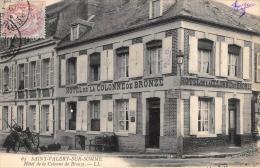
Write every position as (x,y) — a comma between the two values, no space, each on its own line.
(154,123)
(232,126)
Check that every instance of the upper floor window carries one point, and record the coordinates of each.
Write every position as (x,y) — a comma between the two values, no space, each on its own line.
(95,67)
(21,73)
(95,115)
(74,33)
(123,115)
(6,78)
(205,56)
(233,60)
(154,51)
(122,62)
(33,73)
(72,70)
(45,72)
(155,8)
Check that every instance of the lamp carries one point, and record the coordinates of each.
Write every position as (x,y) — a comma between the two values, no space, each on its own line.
(71,110)
(180,56)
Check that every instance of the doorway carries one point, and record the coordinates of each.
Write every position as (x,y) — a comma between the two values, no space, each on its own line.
(153,138)
(233,105)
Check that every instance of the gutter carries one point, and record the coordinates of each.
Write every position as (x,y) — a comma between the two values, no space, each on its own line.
(164,21)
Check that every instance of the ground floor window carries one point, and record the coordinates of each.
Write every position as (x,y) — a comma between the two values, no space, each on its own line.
(123,115)
(205,115)
(46,118)
(20,116)
(72,115)
(95,115)
(34,117)
(5,118)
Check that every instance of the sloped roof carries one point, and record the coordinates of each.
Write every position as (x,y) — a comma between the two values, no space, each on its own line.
(135,14)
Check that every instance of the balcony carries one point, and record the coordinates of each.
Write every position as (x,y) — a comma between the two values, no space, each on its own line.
(35,93)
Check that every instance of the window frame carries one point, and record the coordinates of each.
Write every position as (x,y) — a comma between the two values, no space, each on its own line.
(74,32)
(21,76)
(46,71)
(95,115)
(6,78)
(202,122)
(34,115)
(46,110)
(125,120)
(72,71)
(123,65)
(154,6)
(235,50)
(20,111)
(33,73)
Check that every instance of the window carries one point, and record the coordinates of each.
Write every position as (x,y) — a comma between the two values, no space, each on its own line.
(154,57)
(233,60)
(46,116)
(258,67)
(34,119)
(33,73)
(5,118)
(95,115)
(123,58)
(155,8)
(95,66)
(72,113)
(20,116)
(204,115)
(74,32)
(6,78)
(45,72)
(123,115)
(205,56)
(21,76)
(72,71)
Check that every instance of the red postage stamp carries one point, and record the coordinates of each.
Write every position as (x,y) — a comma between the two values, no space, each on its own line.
(23,19)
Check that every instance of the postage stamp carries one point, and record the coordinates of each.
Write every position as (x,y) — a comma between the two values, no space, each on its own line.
(23,19)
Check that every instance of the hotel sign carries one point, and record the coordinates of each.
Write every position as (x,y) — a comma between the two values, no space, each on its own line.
(115,86)
(215,83)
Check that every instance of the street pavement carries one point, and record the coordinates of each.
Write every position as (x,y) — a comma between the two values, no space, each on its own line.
(74,159)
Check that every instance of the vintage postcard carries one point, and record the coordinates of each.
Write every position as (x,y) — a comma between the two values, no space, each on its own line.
(129,83)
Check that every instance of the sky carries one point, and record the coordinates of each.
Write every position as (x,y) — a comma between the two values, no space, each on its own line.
(253,10)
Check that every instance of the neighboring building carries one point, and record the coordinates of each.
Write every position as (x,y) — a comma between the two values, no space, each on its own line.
(27,81)
(121,75)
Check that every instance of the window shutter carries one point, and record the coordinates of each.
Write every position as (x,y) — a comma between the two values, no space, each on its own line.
(132,115)
(26,76)
(1,79)
(246,62)
(10,77)
(37,122)
(102,115)
(42,120)
(63,71)
(223,59)
(258,67)
(1,116)
(217,58)
(14,79)
(79,118)
(103,65)
(218,115)
(193,55)
(241,117)
(30,76)
(62,116)
(9,116)
(51,71)
(25,108)
(194,109)
(38,73)
(136,60)
(167,55)
(84,105)
(29,119)
(51,119)
(14,115)
(82,69)
(109,110)
(110,64)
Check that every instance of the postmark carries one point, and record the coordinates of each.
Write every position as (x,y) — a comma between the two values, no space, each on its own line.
(24,19)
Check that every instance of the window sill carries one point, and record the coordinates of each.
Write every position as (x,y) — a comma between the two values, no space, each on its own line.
(94,132)
(234,78)
(94,82)
(126,79)
(153,76)
(46,134)
(71,131)
(71,85)
(206,135)
(121,133)
(206,76)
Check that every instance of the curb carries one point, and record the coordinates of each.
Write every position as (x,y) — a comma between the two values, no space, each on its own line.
(211,156)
